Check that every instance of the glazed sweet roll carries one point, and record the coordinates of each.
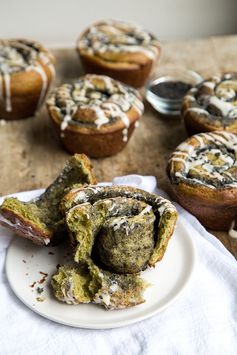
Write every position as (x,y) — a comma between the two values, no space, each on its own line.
(212,105)
(95,115)
(134,226)
(203,177)
(121,50)
(26,72)
(116,232)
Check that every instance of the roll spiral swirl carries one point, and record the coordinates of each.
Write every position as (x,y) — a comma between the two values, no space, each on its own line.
(212,105)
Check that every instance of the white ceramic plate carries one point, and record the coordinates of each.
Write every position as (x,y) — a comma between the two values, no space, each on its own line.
(30,267)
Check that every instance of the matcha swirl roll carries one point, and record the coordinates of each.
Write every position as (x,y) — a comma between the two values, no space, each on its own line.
(212,105)
(95,115)
(116,232)
(124,229)
(203,177)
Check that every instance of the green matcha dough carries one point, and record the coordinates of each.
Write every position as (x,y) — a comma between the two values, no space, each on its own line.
(71,285)
(40,219)
(125,244)
(116,232)
(124,228)
(87,283)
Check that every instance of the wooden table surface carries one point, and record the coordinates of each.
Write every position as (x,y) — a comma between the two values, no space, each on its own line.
(31,156)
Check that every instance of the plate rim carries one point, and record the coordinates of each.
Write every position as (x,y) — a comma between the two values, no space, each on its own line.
(109,325)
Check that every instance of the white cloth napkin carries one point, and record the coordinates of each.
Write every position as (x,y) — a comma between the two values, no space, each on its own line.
(203,320)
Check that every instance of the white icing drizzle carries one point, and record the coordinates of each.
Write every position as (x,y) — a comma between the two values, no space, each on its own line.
(198,110)
(226,93)
(216,78)
(102,118)
(38,69)
(117,222)
(165,207)
(68,293)
(200,140)
(65,121)
(7,83)
(146,210)
(232,231)
(67,118)
(189,98)
(81,197)
(3,123)
(209,84)
(233,113)
(185,147)
(1,87)
(179,153)
(137,124)
(224,107)
(114,287)
(29,233)
(103,298)
(138,105)
(179,160)
(125,134)
(108,84)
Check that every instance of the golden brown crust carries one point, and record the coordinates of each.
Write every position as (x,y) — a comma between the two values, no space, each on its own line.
(134,75)
(214,214)
(212,199)
(95,145)
(26,87)
(129,64)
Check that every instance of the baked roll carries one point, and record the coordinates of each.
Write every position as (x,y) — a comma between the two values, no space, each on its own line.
(116,232)
(40,219)
(26,72)
(95,115)
(121,50)
(212,105)
(139,224)
(203,177)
